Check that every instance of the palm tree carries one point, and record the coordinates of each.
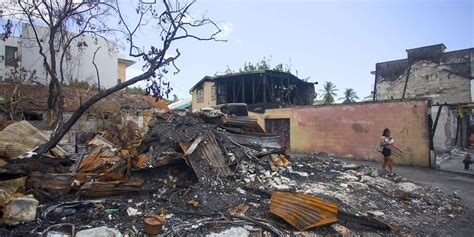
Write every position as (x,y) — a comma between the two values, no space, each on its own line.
(329,92)
(350,96)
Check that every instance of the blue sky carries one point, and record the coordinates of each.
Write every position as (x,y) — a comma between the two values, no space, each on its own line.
(338,41)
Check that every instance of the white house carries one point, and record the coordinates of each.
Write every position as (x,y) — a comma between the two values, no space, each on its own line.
(23,52)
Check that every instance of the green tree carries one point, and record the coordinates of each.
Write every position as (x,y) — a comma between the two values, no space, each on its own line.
(135,90)
(329,92)
(170,101)
(317,101)
(350,96)
(283,68)
(264,64)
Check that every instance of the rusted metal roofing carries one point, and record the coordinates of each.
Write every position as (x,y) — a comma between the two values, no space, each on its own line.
(301,210)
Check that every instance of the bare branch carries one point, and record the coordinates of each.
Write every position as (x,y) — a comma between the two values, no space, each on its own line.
(96,68)
(167,19)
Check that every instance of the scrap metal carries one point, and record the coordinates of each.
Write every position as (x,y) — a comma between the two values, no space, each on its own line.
(22,137)
(256,141)
(207,157)
(301,210)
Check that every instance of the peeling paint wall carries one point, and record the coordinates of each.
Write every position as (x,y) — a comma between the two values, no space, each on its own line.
(445,134)
(353,130)
(427,80)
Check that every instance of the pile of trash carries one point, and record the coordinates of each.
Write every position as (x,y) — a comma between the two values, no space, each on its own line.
(206,173)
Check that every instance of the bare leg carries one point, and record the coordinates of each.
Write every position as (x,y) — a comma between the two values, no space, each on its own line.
(384,163)
(390,164)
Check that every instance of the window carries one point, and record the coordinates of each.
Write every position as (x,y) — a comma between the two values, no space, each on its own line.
(213,93)
(11,56)
(32,116)
(221,90)
(200,95)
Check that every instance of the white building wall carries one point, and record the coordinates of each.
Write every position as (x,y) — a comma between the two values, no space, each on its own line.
(77,66)
(14,42)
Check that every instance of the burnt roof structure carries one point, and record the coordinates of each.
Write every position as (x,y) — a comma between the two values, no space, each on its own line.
(261,89)
(459,61)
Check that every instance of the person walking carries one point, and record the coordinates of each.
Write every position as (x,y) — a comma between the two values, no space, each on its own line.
(387,143)
(467,161)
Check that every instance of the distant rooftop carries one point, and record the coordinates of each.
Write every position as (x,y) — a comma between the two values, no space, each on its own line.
(126,61)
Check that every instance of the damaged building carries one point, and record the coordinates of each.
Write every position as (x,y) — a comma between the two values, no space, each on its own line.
(443,77)
(30,103)
(260,90)
(284,108)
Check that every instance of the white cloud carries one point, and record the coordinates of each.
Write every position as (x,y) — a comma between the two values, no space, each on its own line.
(169,55)
(226,28)
(188,18)
(133,71)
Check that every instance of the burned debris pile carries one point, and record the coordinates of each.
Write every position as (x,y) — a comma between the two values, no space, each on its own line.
(203,173)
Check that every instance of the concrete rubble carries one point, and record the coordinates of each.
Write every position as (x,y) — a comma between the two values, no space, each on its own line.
(208,173)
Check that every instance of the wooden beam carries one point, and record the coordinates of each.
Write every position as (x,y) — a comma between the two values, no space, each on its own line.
(226,94)
(253,91)
(243,90)
(281,90)
(239,82)
(264,89)
(258,87)
(233,91)
(288,89)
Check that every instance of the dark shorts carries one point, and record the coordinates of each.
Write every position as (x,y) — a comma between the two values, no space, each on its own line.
(386,152)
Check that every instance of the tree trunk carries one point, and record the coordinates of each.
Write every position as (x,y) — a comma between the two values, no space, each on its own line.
(65,127)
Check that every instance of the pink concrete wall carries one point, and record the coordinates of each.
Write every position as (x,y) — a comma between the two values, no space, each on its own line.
(354,130)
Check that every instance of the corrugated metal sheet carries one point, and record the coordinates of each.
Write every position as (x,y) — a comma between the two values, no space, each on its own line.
(301,210)
(21,137)
(256,140)
(207,159)
(212,153)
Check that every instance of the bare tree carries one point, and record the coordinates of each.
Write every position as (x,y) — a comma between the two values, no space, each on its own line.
(16,98)
(170,20)
(56,27)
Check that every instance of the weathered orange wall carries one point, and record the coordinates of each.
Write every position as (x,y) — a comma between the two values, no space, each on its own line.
(353,130)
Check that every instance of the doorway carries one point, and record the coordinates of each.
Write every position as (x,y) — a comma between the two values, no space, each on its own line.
(281,128)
